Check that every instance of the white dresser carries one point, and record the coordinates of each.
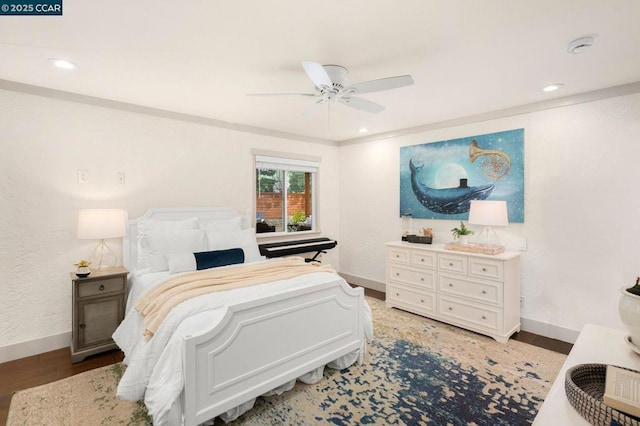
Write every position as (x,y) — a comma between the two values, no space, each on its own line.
(473,291)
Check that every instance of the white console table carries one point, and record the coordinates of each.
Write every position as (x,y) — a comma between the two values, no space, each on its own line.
(595,344)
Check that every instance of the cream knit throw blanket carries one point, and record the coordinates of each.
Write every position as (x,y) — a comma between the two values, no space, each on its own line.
(155,305)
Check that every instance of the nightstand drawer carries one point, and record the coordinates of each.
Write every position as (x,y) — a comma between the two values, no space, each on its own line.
(99,287)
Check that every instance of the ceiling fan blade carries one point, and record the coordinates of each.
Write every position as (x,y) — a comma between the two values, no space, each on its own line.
(283,94)
(317,74)
(382,84)
(313,107)
(362,104)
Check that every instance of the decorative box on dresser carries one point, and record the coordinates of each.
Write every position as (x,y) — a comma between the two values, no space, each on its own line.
(469,290)
(98,308)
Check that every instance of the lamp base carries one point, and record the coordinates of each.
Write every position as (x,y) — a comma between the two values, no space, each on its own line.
(103,257)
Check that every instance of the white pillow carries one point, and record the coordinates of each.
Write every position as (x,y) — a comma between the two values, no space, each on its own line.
(244,239)
(151,225)
(156,245)
(181,262)
(222,225)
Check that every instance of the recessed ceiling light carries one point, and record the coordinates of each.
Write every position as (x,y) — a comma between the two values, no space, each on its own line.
(363,130)
(63,64)
(552,87)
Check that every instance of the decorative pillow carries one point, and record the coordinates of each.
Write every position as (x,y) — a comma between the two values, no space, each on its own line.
(216,258)
(222,225)
(186,262)
(245,239)
(181,262)
(154,246)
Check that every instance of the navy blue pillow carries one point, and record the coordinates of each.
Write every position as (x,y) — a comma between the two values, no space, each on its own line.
(216,258)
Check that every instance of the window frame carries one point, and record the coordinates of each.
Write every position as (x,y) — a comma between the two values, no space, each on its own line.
(288,163)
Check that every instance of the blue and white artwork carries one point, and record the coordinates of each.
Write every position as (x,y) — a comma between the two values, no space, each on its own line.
(439,180)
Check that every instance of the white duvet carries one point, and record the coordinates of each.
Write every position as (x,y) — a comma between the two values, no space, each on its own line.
(154,367)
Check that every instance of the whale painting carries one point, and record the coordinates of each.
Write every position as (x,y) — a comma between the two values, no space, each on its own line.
(447,200)
(439,180)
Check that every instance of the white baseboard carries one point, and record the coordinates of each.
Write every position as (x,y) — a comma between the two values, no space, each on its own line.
(532,326)
(35,347)
(364,282)
(549,330)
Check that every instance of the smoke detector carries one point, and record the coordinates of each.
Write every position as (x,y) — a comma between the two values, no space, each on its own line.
(580,45)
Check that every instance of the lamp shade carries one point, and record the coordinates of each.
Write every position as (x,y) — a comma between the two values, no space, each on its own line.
(488,213)
(99,224)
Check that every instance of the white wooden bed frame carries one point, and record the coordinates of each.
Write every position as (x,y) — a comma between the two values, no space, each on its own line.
(262,344)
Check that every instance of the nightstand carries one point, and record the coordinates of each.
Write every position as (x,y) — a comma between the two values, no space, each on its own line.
(98,308)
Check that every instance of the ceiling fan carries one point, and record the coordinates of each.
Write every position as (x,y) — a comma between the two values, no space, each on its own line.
(329,81)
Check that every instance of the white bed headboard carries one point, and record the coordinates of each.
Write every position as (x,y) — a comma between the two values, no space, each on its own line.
(130,242)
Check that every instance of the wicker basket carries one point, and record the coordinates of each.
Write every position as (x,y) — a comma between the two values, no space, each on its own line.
(584,385)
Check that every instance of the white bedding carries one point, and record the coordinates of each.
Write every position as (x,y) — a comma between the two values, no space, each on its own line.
(154,367)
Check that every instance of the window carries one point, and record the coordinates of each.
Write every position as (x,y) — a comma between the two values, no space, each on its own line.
(285,194)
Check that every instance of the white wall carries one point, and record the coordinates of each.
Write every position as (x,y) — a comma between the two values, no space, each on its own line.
(44,142)
(582,209)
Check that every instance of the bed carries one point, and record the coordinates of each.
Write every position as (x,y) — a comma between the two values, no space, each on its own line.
(214,354)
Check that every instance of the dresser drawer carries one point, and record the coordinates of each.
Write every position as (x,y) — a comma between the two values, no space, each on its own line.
(423,259)
(92,288)
(485,292)
(399,255)
(423,302)
(424,279)
(452,263)
(484,317)
(484,268)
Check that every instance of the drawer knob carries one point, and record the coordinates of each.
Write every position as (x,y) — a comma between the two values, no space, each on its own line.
(397,255)
(450,285)
(450,308)
(82,326)
(101,287)
(450,264)
(484,317)
(397,294)
(397,274)
(421,300)
(484,269)
(484,292)
(422,279)
(421,259)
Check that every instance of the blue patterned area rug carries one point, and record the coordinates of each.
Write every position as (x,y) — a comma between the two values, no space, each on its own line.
(417,371)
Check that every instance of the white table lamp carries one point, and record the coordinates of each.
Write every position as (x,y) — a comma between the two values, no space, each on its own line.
(488,213)
(101,224)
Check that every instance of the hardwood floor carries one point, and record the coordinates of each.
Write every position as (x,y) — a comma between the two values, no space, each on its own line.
(51,366)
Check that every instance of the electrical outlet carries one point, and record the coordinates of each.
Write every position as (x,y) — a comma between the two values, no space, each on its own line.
(82,176)
(522,301)
(121,178)
(522,244)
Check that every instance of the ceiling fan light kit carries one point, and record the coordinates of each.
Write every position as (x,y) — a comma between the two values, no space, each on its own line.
(329,81)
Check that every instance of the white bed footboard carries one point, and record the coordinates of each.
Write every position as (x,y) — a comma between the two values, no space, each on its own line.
(262,344)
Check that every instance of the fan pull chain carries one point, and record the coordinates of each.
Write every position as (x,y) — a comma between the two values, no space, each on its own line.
(329,120)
